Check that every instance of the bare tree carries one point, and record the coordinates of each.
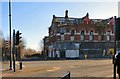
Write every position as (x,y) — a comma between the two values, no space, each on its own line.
(41,45)
(22,44)
(21,49)
(1,44)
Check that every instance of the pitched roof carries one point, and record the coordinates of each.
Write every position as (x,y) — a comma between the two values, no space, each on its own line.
(79,20)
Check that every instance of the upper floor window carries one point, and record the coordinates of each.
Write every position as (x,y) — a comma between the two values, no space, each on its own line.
(82,35)
(58,30)
(108,36)
(91,35)
(82,32)
(91,32)
(72,32)
(62,30)
(67,30)
(108,33)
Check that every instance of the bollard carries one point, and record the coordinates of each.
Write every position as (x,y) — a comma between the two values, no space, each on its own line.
(14,65)
(20,65)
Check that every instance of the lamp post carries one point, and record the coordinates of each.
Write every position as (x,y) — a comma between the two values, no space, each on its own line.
(10,34)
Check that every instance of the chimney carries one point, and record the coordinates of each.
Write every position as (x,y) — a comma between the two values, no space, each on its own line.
(66,14)
(53,20)
(53,16)
(87,14)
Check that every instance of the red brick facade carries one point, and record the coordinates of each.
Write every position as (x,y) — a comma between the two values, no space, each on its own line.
(77,30)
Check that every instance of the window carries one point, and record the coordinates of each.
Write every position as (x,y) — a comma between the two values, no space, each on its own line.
(62,30)
(108,36)
(67,30)
(108,33)
(91,35)
(57,22)
(72,32)
(91,32)
(82,35)
(58,30)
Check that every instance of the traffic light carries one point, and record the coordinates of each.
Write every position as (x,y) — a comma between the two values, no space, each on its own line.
(7,44)
(118,28)
(18,37)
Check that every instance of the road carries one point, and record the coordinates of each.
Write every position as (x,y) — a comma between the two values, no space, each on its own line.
(57,68)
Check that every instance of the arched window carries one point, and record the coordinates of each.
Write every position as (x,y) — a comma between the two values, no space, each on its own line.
(72,32)
(91,35)
(83,32)
(108,36)
(82,35)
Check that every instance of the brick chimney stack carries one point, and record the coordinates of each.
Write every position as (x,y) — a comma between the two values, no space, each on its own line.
(66,14)
(87,14)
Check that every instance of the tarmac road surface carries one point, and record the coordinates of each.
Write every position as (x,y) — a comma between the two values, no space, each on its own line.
(57,68)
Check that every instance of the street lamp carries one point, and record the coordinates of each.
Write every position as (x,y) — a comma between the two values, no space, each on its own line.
(10,23)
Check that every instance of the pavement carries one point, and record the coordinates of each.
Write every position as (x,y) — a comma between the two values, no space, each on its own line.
(6,72)
(5,69)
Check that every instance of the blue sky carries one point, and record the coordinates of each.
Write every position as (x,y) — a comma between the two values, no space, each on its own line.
(34,18)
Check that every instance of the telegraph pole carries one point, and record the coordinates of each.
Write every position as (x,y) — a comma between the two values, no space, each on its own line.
(10,34)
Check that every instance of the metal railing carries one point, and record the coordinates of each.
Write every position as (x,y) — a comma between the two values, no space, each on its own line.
(66,76)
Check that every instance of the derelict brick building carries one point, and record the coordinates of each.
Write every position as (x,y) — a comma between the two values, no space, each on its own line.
(76,37)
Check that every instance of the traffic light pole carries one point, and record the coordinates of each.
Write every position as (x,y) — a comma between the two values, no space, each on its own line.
(14,50)
(18,37)
(10,34)
(114,48)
